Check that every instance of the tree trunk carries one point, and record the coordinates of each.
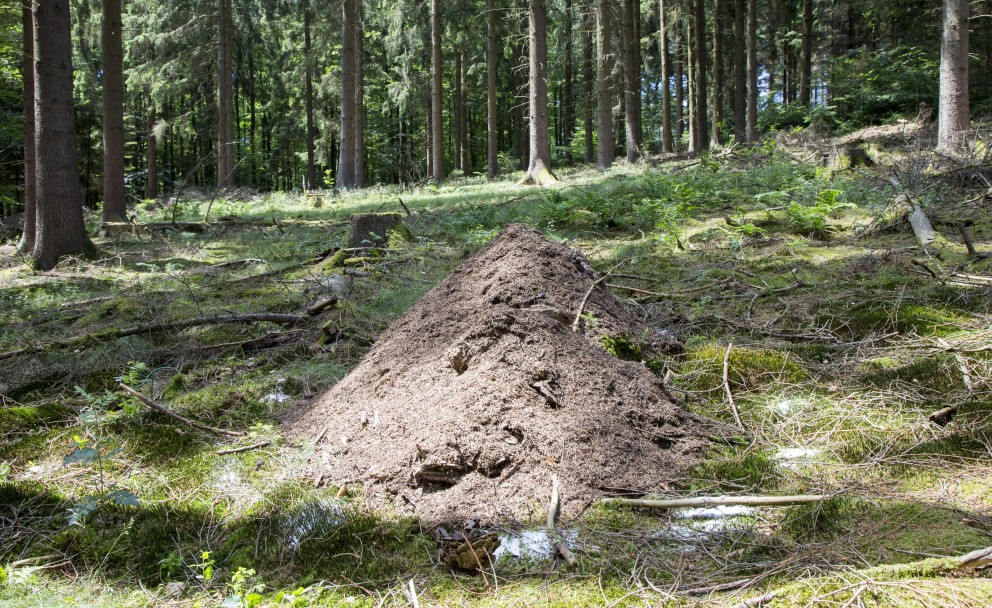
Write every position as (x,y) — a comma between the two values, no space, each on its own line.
(358,38)
(954,115)
(806,72)
(740,72)
(721,8)
(345,178)
(26,245)
(539,170)
(631,83)
(59,229)
(311,174)
(225,108)
(437,99)
(679,91)
(492,143)
(114,203)
(568,128)
(666,75)
(588,84)
(151,155)
(752,71)
(604,101)
(690,68)
(702,136)
(458,122)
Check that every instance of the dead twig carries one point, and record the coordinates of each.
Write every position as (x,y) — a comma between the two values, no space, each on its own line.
(585,299)
(726,388)
(243,449)
(161,408)
(717,501)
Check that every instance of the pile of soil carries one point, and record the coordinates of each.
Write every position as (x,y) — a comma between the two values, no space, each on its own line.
(469,404)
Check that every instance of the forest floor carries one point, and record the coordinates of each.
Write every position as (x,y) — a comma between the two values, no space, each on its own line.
(839,334)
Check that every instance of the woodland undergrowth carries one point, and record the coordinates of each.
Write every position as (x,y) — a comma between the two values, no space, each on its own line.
(796,273)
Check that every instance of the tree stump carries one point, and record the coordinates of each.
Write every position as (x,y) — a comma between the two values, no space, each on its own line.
(375,229)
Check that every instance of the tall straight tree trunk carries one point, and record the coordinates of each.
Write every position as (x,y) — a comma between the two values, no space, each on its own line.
(604,71)
(588,85)
(225,98)
(26,245)
(311,174)
(666,75)
(954,117)
(539,170)
(631,83)
(151,155)
(492,141)
(568,128)
(752,71)
(437,99)
(359,109)
(690,69)
(458,123)
(718,16)
(679,91)
(345,178)
(740,72)
(114,203)
(59,228)
(699,54)
(806,71)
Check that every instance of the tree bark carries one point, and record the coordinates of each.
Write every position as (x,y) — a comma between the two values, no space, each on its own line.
(604,101)
(437,100)
(225,107)
(539,169)
(702,137)
(345,178)
(588,85)
(568,122)
(718,16)
(151,155)
(806,71)
(59,229)
(954,115)
(631,83)
(740,72)
(666,75)
(26,244)
(752,71)
(492,141)
(114,203)
(311,173)
(359,107)
(679,89)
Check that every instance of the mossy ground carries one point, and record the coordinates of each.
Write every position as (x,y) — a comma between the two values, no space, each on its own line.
(840,352)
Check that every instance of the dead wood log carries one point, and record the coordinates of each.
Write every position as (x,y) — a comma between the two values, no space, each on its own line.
(718,501)
(148,328)
(320,305)
(161,408)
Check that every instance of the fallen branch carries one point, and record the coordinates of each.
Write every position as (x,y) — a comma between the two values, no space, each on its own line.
(761,600)
(114,334)
(161,408)
(319,306)
(585,299)
(246,448)
(726,387)
(717,501)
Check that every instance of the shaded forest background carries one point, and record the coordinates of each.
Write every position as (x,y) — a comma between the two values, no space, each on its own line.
(869,61)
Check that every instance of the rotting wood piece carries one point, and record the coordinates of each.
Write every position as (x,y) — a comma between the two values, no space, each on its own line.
(718,501)
(372,229)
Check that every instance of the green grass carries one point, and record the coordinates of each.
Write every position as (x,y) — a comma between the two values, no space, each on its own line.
(844,368)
